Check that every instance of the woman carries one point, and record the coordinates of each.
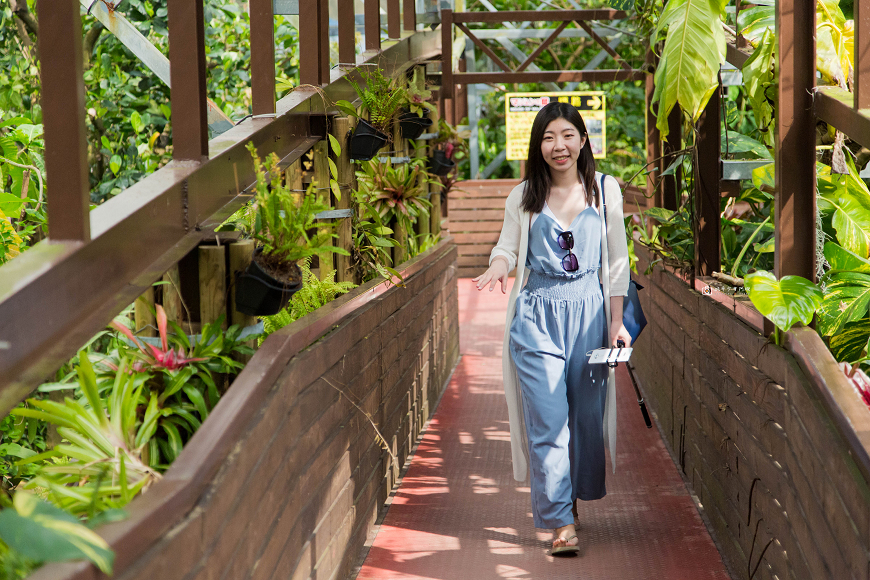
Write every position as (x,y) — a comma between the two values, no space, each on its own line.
(552,228)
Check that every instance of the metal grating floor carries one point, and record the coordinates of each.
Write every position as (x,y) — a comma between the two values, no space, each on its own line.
(459,515)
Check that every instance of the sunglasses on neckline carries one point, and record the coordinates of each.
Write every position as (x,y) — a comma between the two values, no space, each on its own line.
(566,242)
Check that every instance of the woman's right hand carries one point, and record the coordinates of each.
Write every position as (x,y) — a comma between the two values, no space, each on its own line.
(498,271)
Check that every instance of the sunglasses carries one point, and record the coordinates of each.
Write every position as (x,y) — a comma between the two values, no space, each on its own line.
(566,242)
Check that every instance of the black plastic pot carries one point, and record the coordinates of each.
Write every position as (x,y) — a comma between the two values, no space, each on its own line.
(413,125)
(366,141)
(439,164)
(259,294)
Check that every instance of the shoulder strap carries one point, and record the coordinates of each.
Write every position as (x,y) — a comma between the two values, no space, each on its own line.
(605,257)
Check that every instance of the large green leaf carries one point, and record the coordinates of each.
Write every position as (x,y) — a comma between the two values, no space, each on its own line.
(10,204)
(764,176)
(851,218)
(850,343)
(659,214)
(847,296)
(754,22)
(689,66)
(834,43)
(733,142)
(842,259)
(785,302)
(760,81)
(42,532)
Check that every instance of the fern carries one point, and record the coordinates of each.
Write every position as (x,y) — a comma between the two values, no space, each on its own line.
(315,292)
(381,97)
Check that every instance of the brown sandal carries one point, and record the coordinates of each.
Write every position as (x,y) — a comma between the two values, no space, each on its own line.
(567,549)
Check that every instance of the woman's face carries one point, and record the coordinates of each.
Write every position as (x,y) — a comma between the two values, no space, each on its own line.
(561,145)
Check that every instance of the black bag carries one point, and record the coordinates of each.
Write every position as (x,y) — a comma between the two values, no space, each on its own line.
(632,313)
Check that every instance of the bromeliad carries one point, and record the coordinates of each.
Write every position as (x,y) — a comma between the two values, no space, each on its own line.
(153,358)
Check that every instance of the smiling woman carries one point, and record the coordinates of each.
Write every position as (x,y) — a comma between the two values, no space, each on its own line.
(553,227)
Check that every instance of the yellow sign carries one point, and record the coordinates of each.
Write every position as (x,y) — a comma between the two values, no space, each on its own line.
(521,109)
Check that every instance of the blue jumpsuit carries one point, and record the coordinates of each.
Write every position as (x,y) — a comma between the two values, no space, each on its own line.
(559,318)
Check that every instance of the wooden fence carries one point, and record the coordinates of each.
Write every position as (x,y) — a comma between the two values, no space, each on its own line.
(774,443)
(287,476)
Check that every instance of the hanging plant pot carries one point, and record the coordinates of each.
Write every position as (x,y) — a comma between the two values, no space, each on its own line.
(259,293)
(439,164)
(366,141)
(413,125)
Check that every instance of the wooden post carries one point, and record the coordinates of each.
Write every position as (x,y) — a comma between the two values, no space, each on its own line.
(241,253)
(146,323)
(347,183)
(460,102)
(400,145)
(423,226)
(212,283)
(795,198)
(172,303)
(435,188)
(400,234)
(435,216)
(321,182)
(400,230)
(670,186)
(708,172)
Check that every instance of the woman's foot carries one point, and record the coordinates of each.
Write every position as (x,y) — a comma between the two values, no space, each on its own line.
(566,541)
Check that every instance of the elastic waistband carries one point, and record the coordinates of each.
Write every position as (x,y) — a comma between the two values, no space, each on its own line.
(561,288)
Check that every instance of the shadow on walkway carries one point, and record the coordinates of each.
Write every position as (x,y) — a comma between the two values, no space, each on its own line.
(460,515)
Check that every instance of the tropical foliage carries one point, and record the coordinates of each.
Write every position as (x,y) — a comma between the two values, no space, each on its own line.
(315,292)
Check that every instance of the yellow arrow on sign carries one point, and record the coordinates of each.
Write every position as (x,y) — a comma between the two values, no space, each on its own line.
(594,103)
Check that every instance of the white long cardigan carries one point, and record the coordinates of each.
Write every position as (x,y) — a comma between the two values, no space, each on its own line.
(513,244)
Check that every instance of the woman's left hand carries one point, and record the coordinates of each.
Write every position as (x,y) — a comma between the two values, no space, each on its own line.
(619,332)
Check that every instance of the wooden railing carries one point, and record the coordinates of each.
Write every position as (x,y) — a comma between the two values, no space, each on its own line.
(59,293)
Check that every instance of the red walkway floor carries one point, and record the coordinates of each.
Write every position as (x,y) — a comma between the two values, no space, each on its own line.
(459,514)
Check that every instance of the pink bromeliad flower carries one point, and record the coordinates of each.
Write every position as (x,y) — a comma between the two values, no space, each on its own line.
(154,358)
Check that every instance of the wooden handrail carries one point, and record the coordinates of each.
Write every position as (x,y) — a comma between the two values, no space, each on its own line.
(538,15)
(55,296)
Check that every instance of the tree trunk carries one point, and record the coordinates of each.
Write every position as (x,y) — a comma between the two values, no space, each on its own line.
(22,12)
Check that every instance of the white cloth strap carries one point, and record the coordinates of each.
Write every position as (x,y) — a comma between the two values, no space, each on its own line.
(610,400)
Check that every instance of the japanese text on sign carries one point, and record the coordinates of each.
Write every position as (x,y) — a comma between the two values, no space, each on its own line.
(521,109)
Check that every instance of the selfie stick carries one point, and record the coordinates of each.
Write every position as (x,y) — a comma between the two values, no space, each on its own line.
(640,401)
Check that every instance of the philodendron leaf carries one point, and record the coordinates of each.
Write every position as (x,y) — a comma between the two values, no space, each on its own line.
(847,297)
(842,259)
(850,343)
(764,176)
(851,221)
(785,302)
(42,532)
(760,81)
(765,247)
(10,204)
(736,143)
(347,108)
(660,214)
(754,22)
(694,49)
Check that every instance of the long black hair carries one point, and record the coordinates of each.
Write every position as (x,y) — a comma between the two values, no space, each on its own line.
(538,172)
